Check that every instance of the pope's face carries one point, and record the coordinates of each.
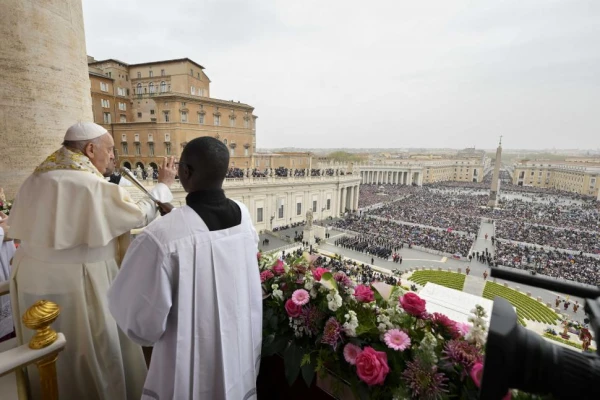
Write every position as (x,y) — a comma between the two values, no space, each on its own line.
(102,155)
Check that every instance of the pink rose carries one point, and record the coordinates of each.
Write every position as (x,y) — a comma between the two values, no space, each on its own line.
(364,294)
(372,366)
(412,304)
(278,268)
(265,276)
(477,375)
(318,273)
(294,310)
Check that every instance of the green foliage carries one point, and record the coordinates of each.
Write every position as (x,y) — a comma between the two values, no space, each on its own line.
(344,156)
(565,341)
(450,280)
(527,308)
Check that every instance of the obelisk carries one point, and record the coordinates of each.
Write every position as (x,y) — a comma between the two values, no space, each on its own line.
(495,189)
(44,83)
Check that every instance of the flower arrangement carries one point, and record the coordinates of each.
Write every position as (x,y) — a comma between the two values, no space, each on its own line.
(5,206)
(378,338)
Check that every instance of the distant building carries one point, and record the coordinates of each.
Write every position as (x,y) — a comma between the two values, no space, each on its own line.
(153,109)
(579,175)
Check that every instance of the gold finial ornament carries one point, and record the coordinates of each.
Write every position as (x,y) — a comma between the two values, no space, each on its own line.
(39,317)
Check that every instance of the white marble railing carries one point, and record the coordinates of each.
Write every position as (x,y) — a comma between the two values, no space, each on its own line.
(274,180)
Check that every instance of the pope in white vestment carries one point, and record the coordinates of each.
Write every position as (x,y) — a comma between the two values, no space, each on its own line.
(69,219)
(190,285)
(7,250)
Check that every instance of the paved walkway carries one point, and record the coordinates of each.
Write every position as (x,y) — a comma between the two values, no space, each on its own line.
(481,243)
(474,285)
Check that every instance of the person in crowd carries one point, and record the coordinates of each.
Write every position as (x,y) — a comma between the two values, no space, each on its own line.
(69,220)
(190,286)
(7,250)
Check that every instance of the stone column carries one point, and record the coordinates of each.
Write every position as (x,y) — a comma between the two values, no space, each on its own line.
(342,199)
(349,195)
(357,193)
(44,84)
(410,177)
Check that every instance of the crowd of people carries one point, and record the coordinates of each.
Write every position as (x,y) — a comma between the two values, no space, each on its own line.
(569,239)
(435,208)
(281,172)
(374,194)
(392,236)
(363,274)
(555,263)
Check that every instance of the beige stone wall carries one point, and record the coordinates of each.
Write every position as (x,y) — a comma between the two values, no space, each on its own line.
(572,177)
(44,84)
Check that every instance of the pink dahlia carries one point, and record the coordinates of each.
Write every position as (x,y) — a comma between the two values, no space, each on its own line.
(351,351)
(364,294)
(300,297)
(342,278)
(278,268)
(332,333)
(396,339)
(444,325)
(312,319)
(412,304)
(318,273)
(424,381)
(461,352)
(265,276)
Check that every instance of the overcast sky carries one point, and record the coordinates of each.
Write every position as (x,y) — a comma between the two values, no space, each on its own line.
(344,73)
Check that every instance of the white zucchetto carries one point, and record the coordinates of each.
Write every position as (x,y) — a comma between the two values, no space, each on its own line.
(84,131)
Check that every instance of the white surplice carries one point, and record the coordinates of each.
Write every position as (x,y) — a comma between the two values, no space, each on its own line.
(69,223)
(195,295)
(7,250)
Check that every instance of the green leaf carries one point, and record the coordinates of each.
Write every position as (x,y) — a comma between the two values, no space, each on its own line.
(305,359)
(291,359)
(363,391)
(276,346)
(328,281)
(308,373)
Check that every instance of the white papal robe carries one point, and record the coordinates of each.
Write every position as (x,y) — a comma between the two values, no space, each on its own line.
(196,295)
(7,250)
(69,222)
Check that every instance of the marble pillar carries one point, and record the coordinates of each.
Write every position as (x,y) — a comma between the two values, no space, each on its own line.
(44,83)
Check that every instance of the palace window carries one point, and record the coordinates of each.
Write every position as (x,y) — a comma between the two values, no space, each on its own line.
(314,208)
(151,149)
(162,72)
(166,116)
(104,87)
(298,208)
(184,116)
(200,118)
(163,86)
(107,119)
(139,75)
(280,211)
(259,214)
(151,87)
(168,149)
(138,149)
(150,74)
(138,89)
(122,106)
(123,119)
(125,148)
(217,120)
(329,204)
